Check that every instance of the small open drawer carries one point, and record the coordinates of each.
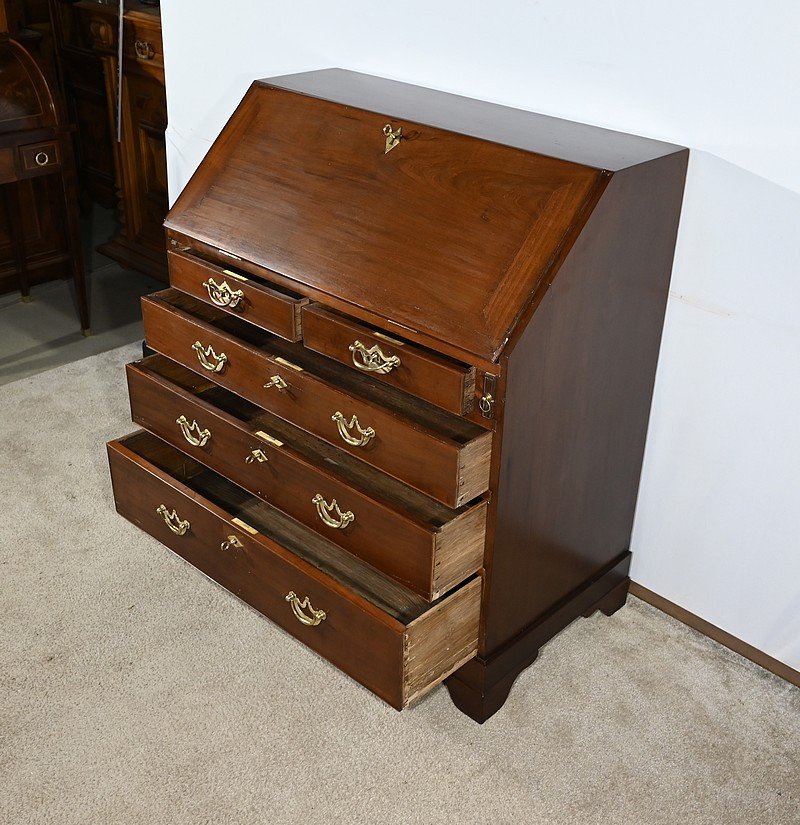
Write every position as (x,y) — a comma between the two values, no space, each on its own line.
(265,305)
(419,542)
(395,643)
(436,378)
(437,453)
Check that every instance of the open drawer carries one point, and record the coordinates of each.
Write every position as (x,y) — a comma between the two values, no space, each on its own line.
(392,641)
(436,378)
(439,454)
(265,305)
(419,542)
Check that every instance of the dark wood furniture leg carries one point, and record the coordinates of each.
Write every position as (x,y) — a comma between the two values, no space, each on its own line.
(480,688)
(69,187)
(14,209)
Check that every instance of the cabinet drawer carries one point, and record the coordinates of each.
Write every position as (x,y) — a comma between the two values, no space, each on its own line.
(424,545)
(440,380)
(393,642)
(439,454)
(40,156)
(143,42)
(267,307)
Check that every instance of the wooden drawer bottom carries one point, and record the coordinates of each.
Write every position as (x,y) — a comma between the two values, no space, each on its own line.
(389,639)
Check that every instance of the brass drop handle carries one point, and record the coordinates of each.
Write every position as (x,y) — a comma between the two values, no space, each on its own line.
(188,429)
(41,159)
(345,428)
(256,455)
(178,525)
(144,50)
(340,521)
(222,295)
(298,607)
(209,360)
(373,359)
(231,542)
(277,382)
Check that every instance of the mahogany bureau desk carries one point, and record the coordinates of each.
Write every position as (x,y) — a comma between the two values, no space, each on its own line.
(403,375)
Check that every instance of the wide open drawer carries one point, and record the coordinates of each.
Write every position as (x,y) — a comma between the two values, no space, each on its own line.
(392,641)
(266,306)
(439,454)
(442,381)
(412,538)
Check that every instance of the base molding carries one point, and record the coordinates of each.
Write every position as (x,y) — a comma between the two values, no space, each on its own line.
(480,688)
(716,633)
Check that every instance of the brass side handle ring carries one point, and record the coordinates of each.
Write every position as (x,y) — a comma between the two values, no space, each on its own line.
(192,432)
(365,435)
(209,360)
(178,525)
(373,359)
(299,606)
(339,519)
(144,50)
(42,159)
(222,295)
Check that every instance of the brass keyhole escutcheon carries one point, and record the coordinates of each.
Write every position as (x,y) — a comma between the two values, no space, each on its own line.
(393,137)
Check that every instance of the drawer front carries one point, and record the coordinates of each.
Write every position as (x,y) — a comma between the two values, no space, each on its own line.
(40,157)
(428,559)
(436,379)
(143,43)
(370,645)
(443,469)
(267,308)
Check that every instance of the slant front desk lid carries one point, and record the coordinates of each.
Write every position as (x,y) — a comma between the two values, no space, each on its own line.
(450,230)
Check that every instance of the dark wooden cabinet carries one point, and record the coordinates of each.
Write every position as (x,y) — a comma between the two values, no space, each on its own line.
(404,375)
(131,174)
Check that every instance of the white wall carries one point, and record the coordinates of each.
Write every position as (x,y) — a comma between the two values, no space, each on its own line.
(718,522)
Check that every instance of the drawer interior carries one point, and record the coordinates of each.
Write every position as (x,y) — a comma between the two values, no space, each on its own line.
(452,427)
(380,590)
(318,452)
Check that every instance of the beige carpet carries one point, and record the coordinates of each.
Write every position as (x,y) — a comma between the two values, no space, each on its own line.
(134,690)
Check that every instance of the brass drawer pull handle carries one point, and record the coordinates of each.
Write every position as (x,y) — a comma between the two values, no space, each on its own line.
(324,509)
(178,525)
(277,382)
(364,435)
(209,359)
(221,294)
(256,455)
(373,359)
(42,159)
(144,50)
(230,543)
(187,429)
(297,608)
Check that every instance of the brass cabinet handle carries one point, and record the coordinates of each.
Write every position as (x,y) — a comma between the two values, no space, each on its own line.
(187,429)
(209,359)
(277,382)
(231,542)
(41,159)
(373,359)
(221,294)
(298,607)
(324,509)
(144,50)
(178,525)
(364,435)
(256,455)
